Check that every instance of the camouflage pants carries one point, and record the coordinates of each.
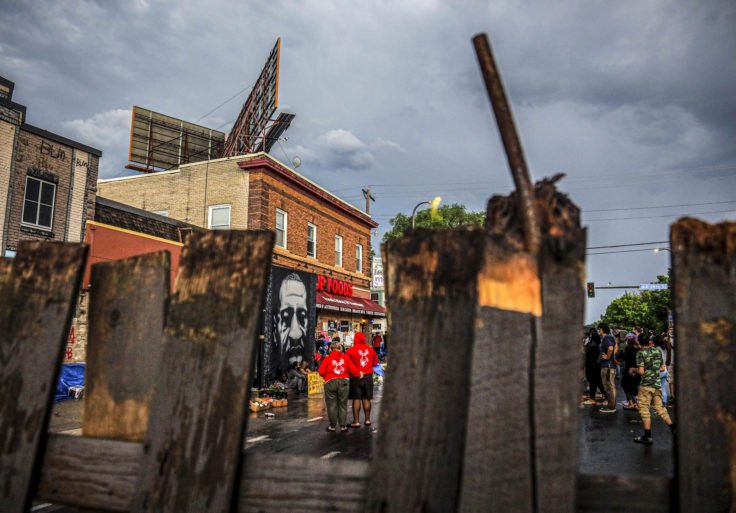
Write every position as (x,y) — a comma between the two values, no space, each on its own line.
(649,397)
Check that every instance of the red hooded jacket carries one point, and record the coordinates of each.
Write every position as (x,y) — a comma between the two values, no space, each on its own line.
(337,366)
(362,355)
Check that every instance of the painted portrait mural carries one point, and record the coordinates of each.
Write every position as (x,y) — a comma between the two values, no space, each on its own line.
(290,318)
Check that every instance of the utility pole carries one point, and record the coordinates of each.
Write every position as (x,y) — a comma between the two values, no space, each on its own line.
(368,198)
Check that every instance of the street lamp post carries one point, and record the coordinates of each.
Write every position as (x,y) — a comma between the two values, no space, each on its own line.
(435,203)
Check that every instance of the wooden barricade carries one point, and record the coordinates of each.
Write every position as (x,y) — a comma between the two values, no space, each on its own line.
(487,423)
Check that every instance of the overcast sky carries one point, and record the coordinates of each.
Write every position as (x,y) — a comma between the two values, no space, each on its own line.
(634,100)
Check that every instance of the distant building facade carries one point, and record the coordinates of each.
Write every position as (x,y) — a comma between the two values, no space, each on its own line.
(321,274)
(47,182)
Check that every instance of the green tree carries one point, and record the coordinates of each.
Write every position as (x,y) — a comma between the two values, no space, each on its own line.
(446,216)
(650,309)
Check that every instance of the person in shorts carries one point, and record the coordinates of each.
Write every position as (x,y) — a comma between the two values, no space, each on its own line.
(363,357)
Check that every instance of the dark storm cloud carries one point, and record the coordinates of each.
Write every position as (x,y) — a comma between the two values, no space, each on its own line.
(633,100)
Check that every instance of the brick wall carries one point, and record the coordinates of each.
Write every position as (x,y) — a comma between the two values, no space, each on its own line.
(186,193)
(44,156)
(7,138)
(269,192)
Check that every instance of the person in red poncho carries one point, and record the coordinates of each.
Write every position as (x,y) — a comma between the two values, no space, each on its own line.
(336,368)
(364,358)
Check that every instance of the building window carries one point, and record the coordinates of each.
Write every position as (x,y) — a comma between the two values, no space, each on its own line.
(311,240)
(38,205)
(282,222)
(338,251)
(358,258)
(374,297)
(219,218)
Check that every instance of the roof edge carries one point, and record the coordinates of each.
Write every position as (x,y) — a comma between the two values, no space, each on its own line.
(60,139)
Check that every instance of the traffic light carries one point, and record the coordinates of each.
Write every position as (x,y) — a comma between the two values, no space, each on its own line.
(591,289)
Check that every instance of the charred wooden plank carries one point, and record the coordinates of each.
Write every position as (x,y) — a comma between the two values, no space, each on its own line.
(126,320)
(102,474)
(497,467)
(557,358)
(197,422)
(90,472)
(624,494)
(704,272)
(38,301)
(431,290)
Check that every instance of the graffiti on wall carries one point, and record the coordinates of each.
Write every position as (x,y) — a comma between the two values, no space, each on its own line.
(290,321)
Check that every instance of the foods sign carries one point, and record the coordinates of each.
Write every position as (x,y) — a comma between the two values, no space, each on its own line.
(377,272)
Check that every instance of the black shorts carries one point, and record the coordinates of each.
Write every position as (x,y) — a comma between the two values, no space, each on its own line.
(361,388)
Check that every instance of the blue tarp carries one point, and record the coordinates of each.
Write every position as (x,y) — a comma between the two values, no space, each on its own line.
(72,374)
(377,369)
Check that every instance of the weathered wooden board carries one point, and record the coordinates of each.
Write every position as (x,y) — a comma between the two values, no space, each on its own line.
(90,472)
(197,421)
(37,307)
(497,465)
(557,360)
(274,483)
(431,291)
(126,320)
(101,474)
(704,272)
(624,494)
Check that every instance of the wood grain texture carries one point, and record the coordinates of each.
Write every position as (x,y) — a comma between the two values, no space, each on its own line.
(197,422)
(497,468)
(37,307)
(90,472)
(126,320)
(102,474)
(431,290)
(274,483)
(704,272)
(624,494)
(556,369)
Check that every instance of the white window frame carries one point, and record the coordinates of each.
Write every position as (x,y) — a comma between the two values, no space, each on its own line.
(286,228)
(40,181)
(338,243)
(314,231)
(229,217)
(359,258)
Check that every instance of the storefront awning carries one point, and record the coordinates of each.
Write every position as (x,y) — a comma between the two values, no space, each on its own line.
(356,305)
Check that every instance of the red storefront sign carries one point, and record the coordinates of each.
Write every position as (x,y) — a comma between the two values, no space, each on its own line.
(334,286)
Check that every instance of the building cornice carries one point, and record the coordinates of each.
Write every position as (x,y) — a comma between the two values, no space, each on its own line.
(268,163)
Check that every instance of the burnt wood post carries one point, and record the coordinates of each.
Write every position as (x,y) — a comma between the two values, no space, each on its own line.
(704,272)
(431,291)
(128,302)
(38,296)
(197,421)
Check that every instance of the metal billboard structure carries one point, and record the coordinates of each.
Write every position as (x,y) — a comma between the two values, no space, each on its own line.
(161,141)
(251,131)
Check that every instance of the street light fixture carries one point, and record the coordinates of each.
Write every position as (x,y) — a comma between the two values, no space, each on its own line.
(659,250)
(434,203)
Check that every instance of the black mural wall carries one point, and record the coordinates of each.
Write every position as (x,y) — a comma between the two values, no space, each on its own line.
(290,318)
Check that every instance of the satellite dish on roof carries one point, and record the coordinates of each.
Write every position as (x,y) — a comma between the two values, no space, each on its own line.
(296,161)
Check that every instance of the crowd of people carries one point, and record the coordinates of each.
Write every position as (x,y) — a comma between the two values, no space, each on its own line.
(644,365)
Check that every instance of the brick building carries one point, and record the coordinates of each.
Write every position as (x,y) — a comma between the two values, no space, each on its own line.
(321,273)
(47,182)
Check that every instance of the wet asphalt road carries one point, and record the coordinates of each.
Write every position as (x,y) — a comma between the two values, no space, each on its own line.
(607,447)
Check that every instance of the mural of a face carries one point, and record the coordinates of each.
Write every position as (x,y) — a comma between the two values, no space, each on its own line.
(290,321)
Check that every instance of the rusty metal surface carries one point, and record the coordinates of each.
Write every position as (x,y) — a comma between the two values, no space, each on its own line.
(511,142)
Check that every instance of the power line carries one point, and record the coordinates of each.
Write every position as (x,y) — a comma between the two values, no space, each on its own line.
(662,206)
(632,244)
(620,251)
(661,216)
(226,101)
